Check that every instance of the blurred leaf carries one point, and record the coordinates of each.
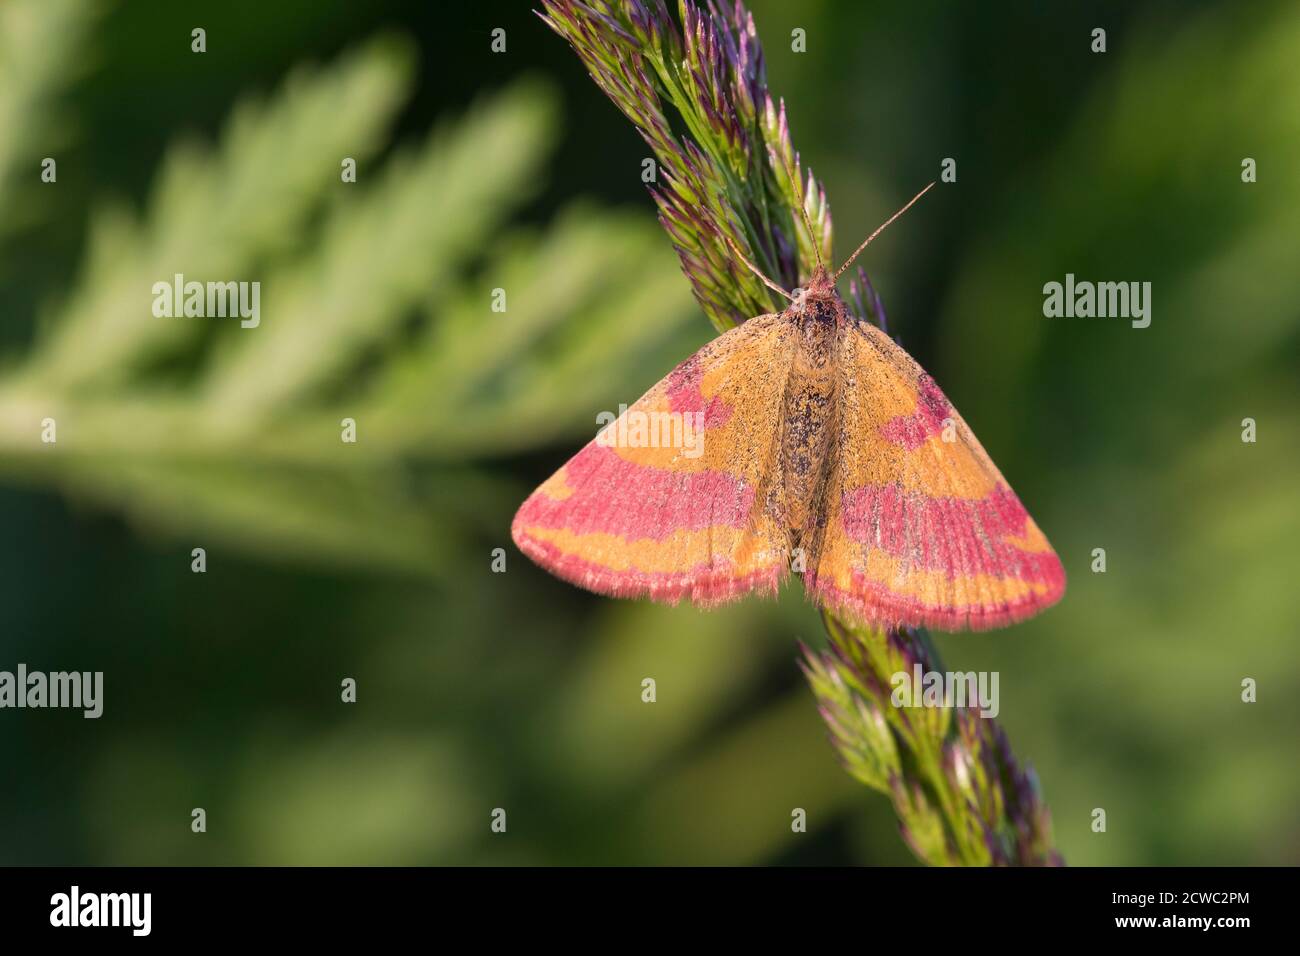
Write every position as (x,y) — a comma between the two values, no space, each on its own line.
(399,243)
(39,40)
(379,317)
(217,215)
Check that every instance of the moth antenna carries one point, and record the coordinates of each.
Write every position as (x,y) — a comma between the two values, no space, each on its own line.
(803,211)
(848,262)
(754,269)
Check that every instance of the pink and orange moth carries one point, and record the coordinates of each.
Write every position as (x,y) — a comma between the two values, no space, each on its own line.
(826,452)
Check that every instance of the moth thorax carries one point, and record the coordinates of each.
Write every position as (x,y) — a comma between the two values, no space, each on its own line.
(817,334)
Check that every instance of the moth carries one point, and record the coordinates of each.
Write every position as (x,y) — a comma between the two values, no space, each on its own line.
(827,452)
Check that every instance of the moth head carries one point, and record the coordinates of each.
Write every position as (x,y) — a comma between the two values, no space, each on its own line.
(820,288)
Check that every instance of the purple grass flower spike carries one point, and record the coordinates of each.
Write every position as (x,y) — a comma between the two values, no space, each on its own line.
(725,176)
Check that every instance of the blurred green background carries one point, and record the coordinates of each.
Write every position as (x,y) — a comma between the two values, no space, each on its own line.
(373,561)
